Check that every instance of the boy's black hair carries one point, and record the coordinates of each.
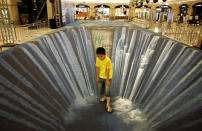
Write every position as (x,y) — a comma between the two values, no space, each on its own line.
(100,50)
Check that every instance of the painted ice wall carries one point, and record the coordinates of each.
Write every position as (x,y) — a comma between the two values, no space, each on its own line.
(162,77)
(103,37)
(41,79)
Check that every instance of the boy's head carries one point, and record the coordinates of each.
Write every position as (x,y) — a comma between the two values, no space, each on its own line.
(100,52)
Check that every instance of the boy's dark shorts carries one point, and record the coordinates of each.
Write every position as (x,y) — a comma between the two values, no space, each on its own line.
(103,88)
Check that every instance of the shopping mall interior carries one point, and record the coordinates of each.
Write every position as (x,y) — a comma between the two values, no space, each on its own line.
(48,65)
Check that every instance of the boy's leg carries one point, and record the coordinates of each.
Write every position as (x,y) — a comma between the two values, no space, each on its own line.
(103,90)
(107,94)
(100,90)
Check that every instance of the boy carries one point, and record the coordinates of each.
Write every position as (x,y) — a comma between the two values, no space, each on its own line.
(104,75)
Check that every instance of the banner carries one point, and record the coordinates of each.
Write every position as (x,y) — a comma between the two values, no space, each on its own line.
(68,11)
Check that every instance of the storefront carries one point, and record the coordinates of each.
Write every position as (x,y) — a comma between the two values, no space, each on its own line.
(183,12)
(183,9)
(82,12)
(163,8)
(197,12)
(162,13)
(122,12)
(141,12)
(102,12)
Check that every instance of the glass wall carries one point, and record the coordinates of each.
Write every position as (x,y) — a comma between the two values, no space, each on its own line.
(183,13)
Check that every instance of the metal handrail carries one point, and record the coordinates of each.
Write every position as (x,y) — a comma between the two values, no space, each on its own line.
(23,33)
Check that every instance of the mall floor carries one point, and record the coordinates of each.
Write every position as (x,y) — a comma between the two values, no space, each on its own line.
(188,34)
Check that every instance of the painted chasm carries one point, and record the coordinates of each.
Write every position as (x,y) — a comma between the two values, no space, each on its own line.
(49,83)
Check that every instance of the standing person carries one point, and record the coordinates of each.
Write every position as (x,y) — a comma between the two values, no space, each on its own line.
(104,75)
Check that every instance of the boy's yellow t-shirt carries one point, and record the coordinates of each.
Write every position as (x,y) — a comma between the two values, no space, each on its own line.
(104,65)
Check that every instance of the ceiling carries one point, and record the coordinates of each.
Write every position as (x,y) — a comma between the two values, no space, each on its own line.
(103,1)
(127,1)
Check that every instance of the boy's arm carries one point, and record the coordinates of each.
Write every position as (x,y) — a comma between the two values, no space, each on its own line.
(97,65)
(97,72)
(108,70)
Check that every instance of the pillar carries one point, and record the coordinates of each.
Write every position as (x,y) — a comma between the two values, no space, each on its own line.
(132,12)
(112,13)
(175,10)
(50,10)
(191,9)
(153,9)
(13,11)
(92,12)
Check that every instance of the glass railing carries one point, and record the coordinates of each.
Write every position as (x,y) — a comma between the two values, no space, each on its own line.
(186,33)
(23,33)
(30,31)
